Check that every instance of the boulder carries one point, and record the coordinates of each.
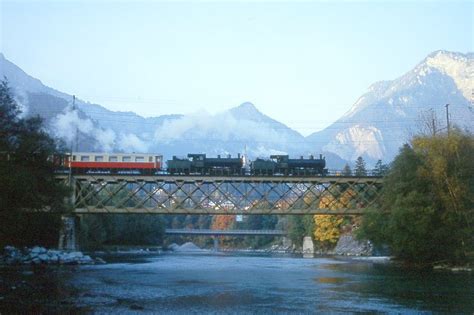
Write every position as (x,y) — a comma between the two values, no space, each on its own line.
(173,246)
(40,255)
(38,250)
(99,261)
(188,247)
(44,257)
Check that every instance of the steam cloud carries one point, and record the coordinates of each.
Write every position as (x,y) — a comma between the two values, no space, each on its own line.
(224,127)
(65,125)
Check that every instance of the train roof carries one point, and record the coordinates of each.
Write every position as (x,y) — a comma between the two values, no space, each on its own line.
(114,153)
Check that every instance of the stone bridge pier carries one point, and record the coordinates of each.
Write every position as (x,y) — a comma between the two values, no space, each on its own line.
(68,238)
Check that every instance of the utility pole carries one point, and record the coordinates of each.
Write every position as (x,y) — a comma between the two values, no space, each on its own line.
(77,129)
(72,143)
(433,122)
(447,117)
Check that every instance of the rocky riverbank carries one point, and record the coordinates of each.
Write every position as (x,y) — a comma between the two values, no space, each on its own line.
(42,256)
(347,245)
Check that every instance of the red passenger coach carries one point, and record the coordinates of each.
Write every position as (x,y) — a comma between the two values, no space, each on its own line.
(115,163)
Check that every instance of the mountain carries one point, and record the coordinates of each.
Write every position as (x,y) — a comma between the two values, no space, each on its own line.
(378,123)
(241,129)
(390,112)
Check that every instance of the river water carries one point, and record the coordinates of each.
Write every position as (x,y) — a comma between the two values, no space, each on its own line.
(231,283)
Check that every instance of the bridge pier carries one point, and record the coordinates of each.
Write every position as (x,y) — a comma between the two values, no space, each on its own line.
(68,233)
(216,243)
(308,247)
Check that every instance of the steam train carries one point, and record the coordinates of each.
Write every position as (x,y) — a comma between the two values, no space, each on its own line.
(193,164)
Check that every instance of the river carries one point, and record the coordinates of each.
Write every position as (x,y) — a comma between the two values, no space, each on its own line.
(232,283)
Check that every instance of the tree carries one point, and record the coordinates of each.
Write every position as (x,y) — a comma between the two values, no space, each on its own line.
(27,182)
(300,226)
(346,171)
(327,226)
(360,169)
(380,169)
(429,196)
(223,222)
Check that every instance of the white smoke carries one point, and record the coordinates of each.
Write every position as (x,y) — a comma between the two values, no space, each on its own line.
(65,125)
(132,143)
(222,126)
(21,99)
(106,139)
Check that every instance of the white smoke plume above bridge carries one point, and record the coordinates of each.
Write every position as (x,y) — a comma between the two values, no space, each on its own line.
(68,122)
(224,127)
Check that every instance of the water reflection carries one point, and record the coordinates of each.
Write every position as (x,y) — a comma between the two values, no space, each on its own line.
(414,289)
(234,284)
(331,280)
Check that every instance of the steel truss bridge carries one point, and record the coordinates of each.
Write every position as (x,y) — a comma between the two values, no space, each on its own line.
(165,194)
(224,232)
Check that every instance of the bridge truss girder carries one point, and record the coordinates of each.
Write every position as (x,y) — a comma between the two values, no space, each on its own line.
(224,195)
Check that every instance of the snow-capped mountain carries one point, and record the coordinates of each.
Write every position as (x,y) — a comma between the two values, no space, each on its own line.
(390,112)
(242,129)
(375,127)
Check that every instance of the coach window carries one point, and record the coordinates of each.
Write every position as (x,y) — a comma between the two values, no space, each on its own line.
(150,159)
(99,158)
(126,159)
(84,158)
(158,158)
(113,158)
(73,157)
(139,159)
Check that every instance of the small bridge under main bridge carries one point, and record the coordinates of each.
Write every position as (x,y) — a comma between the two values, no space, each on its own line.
(165,194)
(224,232)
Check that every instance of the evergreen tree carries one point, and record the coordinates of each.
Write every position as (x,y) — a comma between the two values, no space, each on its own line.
(360,169)
(346,171)
(380,169)
(27,183)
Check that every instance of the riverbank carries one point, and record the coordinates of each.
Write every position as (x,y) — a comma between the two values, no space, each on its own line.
(41,256)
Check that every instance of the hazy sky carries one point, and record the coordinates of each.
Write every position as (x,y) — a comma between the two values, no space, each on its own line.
(303,63)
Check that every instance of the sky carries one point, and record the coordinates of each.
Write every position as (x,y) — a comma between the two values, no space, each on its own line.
(303,63)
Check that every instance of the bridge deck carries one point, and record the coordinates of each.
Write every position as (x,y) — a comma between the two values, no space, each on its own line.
(224,232)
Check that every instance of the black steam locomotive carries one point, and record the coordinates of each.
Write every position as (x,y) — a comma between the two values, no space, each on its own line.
(283,165)
(200,164)
(276,165)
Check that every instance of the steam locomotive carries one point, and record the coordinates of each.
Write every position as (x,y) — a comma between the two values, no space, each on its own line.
(283,165)
(200,164)
(193,164)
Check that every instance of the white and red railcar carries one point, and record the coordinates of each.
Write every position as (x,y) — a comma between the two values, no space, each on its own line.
(115,163)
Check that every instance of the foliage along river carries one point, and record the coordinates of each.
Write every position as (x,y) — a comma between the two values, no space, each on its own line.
(229,283)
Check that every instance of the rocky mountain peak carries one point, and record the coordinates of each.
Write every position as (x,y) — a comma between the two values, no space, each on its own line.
(246,110)
(460,67)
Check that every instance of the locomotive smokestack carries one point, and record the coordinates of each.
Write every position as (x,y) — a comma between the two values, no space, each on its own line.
(320,156)
(238,155)
(228,156)
(311,157)
(219,156)
(301,157)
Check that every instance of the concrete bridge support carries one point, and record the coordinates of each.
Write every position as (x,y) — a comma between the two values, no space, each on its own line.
(308,247)
(68,234)
(216,243)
